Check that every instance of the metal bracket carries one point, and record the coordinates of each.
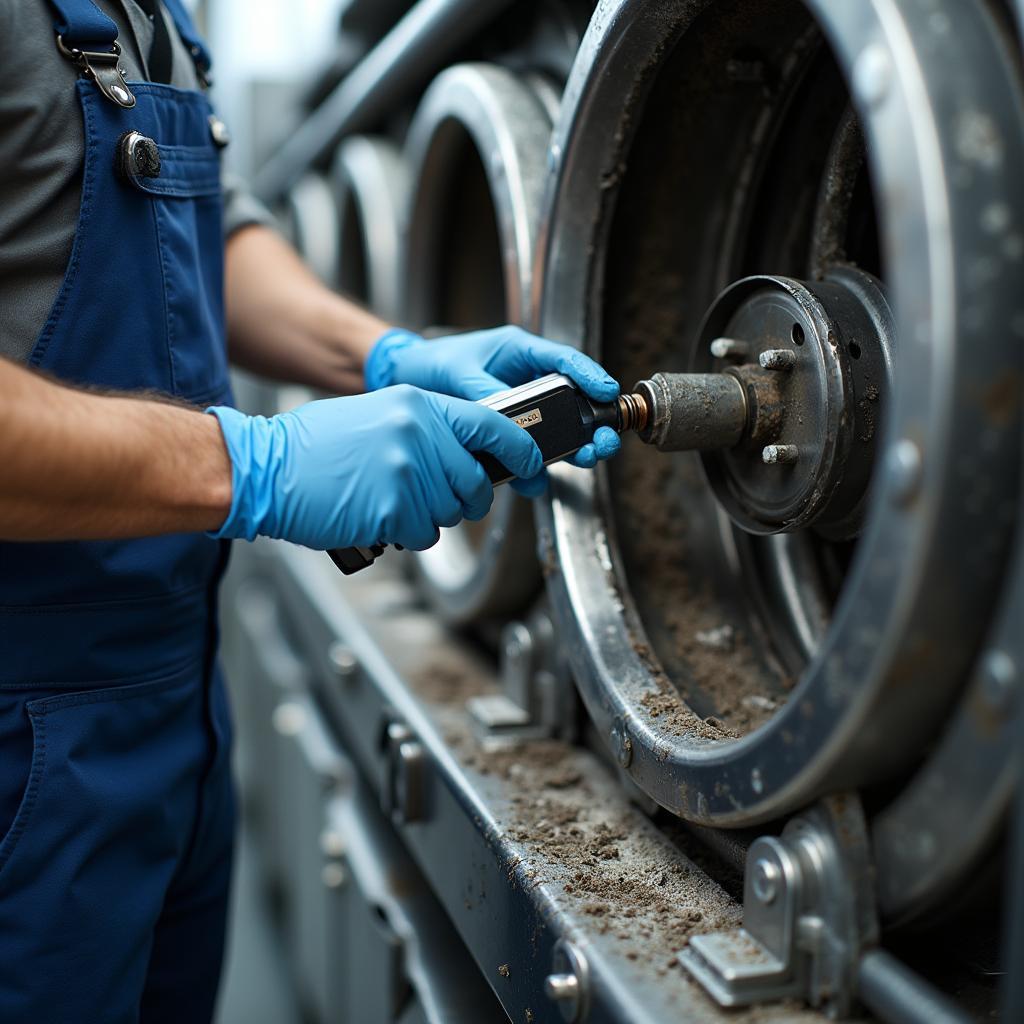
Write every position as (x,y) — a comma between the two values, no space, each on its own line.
(568,984)
(404,793)
(808,914)
(104,68)
(537,696)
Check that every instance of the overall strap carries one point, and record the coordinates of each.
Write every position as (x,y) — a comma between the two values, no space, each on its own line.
(88,38)
(191,37)
(82,25)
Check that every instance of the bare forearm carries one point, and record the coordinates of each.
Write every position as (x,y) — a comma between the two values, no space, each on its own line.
(80,466)
(284,323)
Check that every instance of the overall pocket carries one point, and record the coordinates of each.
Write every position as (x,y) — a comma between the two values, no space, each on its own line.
(108,780)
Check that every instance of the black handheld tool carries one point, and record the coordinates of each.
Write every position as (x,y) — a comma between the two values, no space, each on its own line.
(558,416)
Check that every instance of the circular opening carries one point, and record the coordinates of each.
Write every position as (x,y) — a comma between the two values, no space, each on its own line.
(467,286)
(353,276)
(729,621)
(854,350)
(468,279)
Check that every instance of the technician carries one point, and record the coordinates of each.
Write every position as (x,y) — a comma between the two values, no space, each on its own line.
(116,810)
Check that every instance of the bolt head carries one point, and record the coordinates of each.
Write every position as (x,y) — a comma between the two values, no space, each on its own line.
(904,466)
(998,680)
(765,880)
(332,843)
(342,660)
(622,745)
(872,76)
(333,875)
(289,718)
(564,990)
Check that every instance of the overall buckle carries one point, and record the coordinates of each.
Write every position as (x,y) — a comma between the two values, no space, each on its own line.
(104,68)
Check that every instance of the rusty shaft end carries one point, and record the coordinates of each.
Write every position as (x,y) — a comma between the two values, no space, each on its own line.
(692,411)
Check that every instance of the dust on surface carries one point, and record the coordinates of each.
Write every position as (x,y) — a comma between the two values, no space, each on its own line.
(700,637)
(447,678)
(674,717)
(578,835)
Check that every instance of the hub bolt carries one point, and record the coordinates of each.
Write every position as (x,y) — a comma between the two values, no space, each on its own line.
(775,454)
(777,359)
(730,348)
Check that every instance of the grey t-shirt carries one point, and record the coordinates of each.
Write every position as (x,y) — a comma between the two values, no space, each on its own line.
(42,148)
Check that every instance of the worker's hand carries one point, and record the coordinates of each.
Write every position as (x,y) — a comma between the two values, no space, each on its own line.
(389,467)
(476,365)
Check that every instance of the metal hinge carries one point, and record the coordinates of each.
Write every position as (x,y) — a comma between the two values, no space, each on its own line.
(808,914)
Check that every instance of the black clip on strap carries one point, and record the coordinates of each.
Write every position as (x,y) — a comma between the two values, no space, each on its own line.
(104,68)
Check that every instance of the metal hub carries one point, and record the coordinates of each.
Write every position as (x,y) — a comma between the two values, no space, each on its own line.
(816,371)
(751,674)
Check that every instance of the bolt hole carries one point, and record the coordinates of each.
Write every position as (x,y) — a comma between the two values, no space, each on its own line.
(854,350)
(798,334)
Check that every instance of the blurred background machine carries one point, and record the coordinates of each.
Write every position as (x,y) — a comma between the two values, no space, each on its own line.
(723,726)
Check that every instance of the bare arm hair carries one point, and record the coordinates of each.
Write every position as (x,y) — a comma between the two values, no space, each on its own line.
(77,465)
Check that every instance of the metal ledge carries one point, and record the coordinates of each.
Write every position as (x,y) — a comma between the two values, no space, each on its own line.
(524,846)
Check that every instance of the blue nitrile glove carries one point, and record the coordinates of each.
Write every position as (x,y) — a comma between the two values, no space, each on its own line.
(389,467)
(476,365)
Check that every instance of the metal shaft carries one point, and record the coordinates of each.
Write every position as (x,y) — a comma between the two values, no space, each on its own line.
(692,411)
(402,61)
(899,996)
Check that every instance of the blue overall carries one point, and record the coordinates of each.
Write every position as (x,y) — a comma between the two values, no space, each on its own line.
(116,807)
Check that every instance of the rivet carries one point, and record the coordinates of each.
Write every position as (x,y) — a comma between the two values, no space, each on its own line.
(289,718)
(903,463)
(872,76)
(622,745)
(342,660)
(998,679)
(333,875)
(332,843)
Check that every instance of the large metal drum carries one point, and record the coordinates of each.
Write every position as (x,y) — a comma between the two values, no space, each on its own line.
(861,162)
(310,222)
(371,188)
(477,151)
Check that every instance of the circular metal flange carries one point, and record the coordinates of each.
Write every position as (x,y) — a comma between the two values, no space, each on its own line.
(808,456)
(311,220)
(477,152)
(371,188)
(944,147)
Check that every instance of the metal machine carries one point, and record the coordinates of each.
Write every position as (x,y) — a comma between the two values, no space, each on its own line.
(728,730)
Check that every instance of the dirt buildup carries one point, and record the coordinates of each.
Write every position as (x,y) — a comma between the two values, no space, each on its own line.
(624,883)
(446,680)
(674,716)
(697,638)
(574,836)
(542,762)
